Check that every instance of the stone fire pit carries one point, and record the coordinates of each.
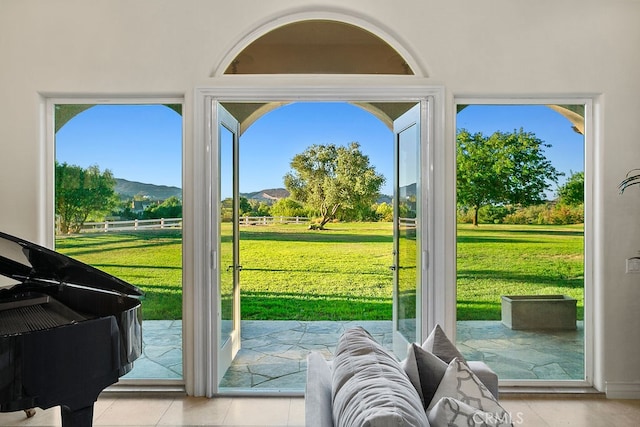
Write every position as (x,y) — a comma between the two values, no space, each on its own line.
(521,312)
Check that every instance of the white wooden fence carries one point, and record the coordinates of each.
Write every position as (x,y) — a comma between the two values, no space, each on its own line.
(407,222)
(266,220)
(135,224)
(164,223)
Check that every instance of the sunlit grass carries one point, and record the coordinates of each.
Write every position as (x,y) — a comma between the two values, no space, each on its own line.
(342,273)
(495,260)
(151,260)
(289,272)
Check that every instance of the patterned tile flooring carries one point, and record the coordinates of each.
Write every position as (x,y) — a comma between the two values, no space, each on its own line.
(273,354)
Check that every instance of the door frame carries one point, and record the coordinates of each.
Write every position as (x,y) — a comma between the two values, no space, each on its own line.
(200,370)
(590,141)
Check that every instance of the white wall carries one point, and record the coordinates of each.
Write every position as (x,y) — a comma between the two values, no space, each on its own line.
(471,47)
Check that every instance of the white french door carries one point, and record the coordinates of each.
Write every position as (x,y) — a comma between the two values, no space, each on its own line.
(228,263)
(215,295)
(407,229)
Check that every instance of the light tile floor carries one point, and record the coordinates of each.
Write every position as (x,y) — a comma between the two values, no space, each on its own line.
(536,352)
(269,411)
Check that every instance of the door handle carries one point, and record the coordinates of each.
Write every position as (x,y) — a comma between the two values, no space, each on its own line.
(234,267)
(393,267)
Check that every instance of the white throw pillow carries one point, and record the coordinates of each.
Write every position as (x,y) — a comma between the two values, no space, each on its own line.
(460,383)
(450,412)
(369,387)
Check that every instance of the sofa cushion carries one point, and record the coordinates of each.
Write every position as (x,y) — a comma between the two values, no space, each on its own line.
(450,412)
(317,396)
(425,371)
(369,387)
(460,383)
(438,344)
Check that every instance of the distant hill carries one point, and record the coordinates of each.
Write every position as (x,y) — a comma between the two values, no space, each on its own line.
(128,189)
(268,196)
(384,198)
(272,195)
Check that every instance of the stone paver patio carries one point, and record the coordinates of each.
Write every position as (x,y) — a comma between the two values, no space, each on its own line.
(273,354)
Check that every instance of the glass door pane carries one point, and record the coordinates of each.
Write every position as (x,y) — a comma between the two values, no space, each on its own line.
(406,241)
(226,235)
(228,277)
(521,241)
(125,161)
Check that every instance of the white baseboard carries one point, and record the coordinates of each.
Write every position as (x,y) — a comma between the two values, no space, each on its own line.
(623,390)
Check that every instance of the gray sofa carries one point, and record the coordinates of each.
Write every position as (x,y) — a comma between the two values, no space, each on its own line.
(318,394)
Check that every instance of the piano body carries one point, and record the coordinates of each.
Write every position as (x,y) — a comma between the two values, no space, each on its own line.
(67,331)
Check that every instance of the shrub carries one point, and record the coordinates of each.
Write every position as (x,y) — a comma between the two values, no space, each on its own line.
(384,212)
(544,214)
(288,207)
(547,214)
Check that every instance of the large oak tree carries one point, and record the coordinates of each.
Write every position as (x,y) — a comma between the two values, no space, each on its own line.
(504,168)
(332,179)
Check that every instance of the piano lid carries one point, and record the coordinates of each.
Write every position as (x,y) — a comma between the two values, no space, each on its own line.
(22,260)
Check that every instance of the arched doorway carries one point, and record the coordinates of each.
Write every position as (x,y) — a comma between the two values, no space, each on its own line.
(427,100)
(317,305)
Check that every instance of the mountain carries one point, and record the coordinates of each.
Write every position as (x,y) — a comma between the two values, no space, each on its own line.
(272,195)
(127,189)
(268,196)
(384,198)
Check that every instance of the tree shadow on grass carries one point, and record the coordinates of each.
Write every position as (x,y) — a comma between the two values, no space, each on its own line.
(384,271)
(293,306)
(533,280)
(161,302)
(88,241)
(87,249)
(147,267)
(316,236)
(495,239)
(478,310)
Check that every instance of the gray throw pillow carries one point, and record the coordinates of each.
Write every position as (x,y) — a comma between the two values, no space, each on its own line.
(438,344)
(425,371)
(369,387)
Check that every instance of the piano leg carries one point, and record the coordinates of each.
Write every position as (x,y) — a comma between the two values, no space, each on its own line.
(82,417)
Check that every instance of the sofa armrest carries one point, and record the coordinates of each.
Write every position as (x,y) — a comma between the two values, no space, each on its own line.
(317,396)
(486,375)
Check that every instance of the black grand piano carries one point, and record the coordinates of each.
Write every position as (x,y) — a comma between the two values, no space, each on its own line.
(67,331)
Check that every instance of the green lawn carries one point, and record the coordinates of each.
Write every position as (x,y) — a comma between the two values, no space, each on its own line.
(289,272)
(495,260)
(151,260)
(342,273)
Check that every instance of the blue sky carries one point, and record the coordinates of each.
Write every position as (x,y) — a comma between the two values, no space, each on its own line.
(267,147)
(567,146)
(143,142)
(136,142)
